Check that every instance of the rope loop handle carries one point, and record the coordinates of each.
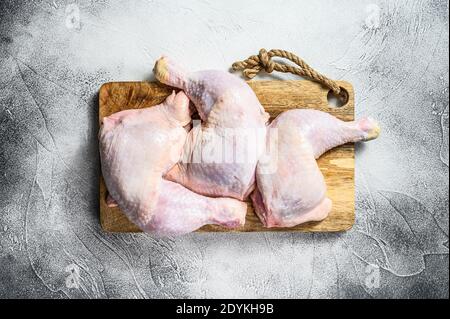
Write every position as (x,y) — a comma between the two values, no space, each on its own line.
(263,61)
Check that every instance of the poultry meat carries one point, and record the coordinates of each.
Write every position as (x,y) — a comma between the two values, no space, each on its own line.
(221,153)
(290,187)
(137,147)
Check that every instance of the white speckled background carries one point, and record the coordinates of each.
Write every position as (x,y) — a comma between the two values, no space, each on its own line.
(54,56)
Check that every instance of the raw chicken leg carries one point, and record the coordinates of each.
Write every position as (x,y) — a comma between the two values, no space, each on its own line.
(290,187)
(137,147)
(220,155)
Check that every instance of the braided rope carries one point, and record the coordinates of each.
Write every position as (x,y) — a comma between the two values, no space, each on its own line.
(263,61)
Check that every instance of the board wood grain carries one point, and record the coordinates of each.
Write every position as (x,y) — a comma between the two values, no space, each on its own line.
(337,165)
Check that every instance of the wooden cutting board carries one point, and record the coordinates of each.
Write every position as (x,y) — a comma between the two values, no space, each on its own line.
(337,165)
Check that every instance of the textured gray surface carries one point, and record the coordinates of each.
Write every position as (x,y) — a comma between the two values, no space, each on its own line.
(54,56)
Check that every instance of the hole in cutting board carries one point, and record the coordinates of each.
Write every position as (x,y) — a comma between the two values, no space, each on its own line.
(335,101)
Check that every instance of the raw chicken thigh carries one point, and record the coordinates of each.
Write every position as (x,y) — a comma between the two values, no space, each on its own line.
(220,155)
(290,187)
(137,147)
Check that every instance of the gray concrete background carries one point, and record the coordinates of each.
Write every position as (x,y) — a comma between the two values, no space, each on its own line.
(54,56)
